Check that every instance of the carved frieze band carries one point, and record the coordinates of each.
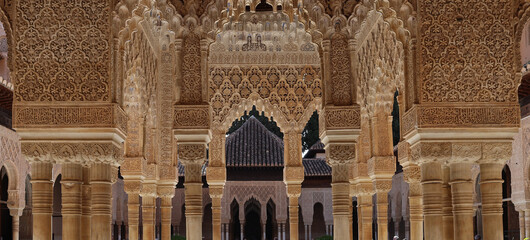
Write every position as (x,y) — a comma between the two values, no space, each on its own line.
(473,152)
(104,116)
(192,117)
(82,153)
(459,117)
(347,117)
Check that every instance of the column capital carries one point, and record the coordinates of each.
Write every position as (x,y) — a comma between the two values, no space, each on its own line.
(166,190)
(132,186)
(340,153)
(192,153)
(80,152)
(294,191)
(293,175)
(216,175)
(149,189)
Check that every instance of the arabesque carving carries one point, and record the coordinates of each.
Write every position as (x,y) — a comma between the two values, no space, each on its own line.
(62,51)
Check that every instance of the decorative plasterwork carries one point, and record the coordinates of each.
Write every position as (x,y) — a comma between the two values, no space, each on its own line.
(457,152)
(336,118)
(63,51)
(71,152)
(191,117)
(459,117)
(466,52)
(98,116)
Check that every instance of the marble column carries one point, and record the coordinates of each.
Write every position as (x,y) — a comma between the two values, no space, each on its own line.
(242,230)
(227,231)
(165,209)
(16,227)
(133,188)
(72,176)
(216,178)
(148,210)
(86,205)
(462,195)
(306,227)
(431,181)
(101,185)
(15,210)
(447,205)
(192,156)
(522,230)
(279,231)
(339,158)
(491,192)
(293,192)
(42,199)
(527,222)
(365,207)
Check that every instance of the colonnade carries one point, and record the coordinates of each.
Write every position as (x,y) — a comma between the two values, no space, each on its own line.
(86,204)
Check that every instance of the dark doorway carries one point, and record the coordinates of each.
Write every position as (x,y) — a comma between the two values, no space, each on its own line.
(271,229)
(5,218)
(510,216)
(207,222)
(235,224)
(252,229)
(319,224)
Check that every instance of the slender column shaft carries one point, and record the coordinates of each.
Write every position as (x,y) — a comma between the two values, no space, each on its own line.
(416,212)
(16,227)
(72,175)
(310,232)
(491,192)
(522,229)
(462,195)
(148,217)
(448,231)
(293,218)
(165,207)
(279,231)
(100,180)
(432,203)
(133,213)
(382,215)
(527,222)
(193,201)
(216,193)
(42,196)
(85,204)
(227,232)
(242,230)
(341,206)
(283,231)
(305,232)
(365,207)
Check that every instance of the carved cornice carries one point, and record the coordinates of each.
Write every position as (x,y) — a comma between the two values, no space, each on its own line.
(460,117)
(83,153)
(191,117)
(85,116)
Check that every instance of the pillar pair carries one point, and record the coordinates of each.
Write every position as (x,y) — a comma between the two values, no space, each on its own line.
(460,157)
(75,217)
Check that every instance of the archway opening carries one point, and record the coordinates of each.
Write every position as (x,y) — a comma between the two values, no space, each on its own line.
(57,217)
(5,218)
(235,224)
(319,224)
(510,217)
(270,228)
(252,229)
(207,222)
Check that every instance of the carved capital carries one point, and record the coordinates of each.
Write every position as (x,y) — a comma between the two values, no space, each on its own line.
(431,151)
(294,190)
(216,175)
(293,175)
(340,153)
(191,117)
(132,187)
(344,117)
(412,173)
(148,190)
(192,153)
(381,166)
(466,152)
(165,191)
(496,152)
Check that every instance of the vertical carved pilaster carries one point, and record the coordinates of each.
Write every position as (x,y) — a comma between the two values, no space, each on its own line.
(448,223)
(293,177)
(216,178)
